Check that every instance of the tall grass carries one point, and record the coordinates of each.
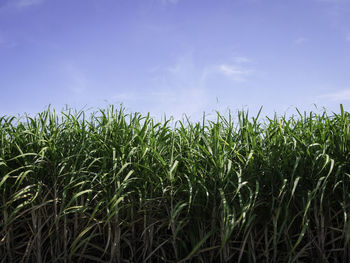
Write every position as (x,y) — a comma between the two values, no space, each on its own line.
(118,187)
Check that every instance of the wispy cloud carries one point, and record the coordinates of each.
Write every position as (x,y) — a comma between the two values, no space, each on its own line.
(234,72)
(347,38)
(242,60)
(300,40)
(336,11)
(182,87)
(238,70)
(27,3)
(19,4)
(165,2)
(338,96)
(186,86)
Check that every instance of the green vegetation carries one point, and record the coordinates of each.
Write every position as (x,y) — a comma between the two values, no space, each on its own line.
(117,187)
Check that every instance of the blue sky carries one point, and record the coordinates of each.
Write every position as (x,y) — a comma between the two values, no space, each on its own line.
(175,56)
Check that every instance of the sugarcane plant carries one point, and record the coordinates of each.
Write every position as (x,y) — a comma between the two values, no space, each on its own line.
(112,186)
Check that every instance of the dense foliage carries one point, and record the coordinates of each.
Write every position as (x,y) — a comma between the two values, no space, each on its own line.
(117,187)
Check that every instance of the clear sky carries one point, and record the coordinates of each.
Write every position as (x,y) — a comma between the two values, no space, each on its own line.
(174,56)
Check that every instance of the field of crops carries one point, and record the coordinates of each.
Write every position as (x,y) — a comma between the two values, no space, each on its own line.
(118,187)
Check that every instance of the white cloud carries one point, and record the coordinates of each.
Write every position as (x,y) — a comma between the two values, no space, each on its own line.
(186,86)
(347,38)
(164,2)
(174,90)
(238,70)
(234,72)
(341,95)
(27,3)
(242,60)
(300,40)
(19,4)
(179,88)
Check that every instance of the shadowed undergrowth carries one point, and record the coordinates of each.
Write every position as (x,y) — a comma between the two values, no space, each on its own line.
(117,187)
